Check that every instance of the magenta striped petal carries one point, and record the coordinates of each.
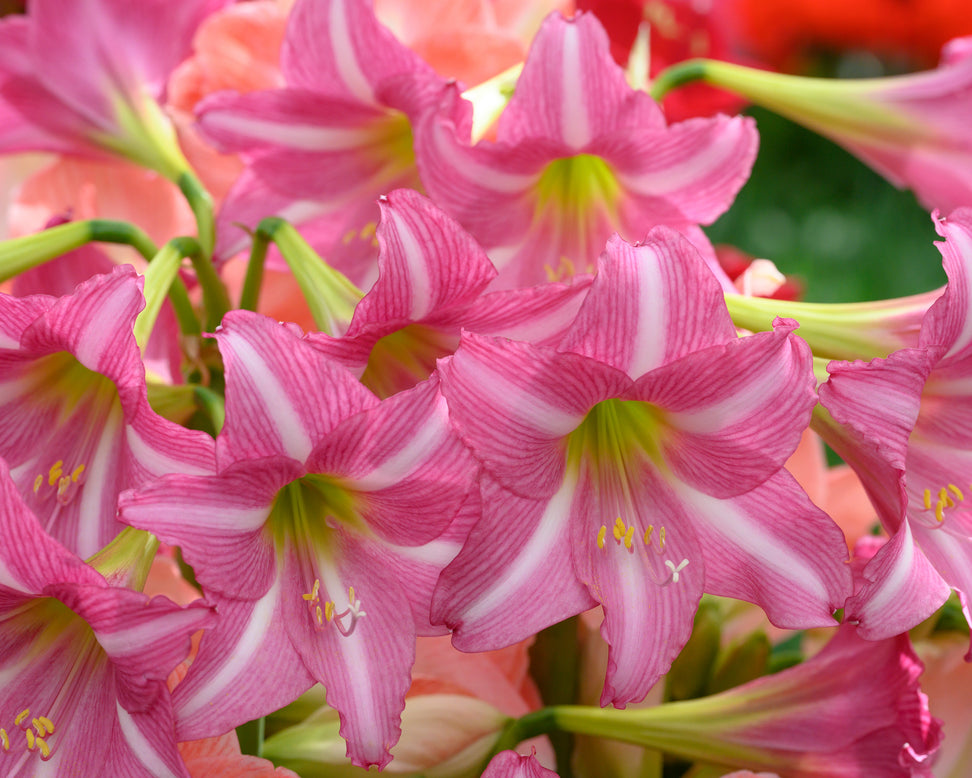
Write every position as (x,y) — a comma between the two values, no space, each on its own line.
(659,295)
(513,576)
(509,764)
(515,404)
(773,547)
(282,395)
(426,262)
(900,589)
(948,322)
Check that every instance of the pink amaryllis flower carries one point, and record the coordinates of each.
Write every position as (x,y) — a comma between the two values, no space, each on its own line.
(855,710)
(86,77)
(431,281)
(913,129)
(637,465)
(321,149)
(903,423)
(84,663)
(509,764)
(319,539)
(578,155)
(78,428)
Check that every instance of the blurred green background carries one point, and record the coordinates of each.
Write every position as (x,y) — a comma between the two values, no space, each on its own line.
(823,216)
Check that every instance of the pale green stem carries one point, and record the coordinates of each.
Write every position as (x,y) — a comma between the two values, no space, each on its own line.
(839,330)
(250,296)
(21,254)
(330,296)
(201,204)
(160,275)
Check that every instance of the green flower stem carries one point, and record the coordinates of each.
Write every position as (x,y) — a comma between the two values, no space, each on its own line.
(201,204)
(839,330)
(677,75)
(160,275)
(21,254)
(250,295)
(330,296)
(251,736)
(215,298)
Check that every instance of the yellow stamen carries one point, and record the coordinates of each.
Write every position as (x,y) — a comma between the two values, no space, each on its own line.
(45,750)
(48,724)
(651,528)
(30,739)
(314,593)
(76,473)
(55,472)
(22,716)
(39,726)
(600,536)
(927,499)
(939,511)
(629,537)
(37,483)
(4,740)
(63,483)
(319,615)
(619,529)
(661,539)
(350,595)
(329,610)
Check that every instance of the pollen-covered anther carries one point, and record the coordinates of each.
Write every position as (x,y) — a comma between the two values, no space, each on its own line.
(22,717)
(63,482)
(601,533)
(4,740)
(946,499)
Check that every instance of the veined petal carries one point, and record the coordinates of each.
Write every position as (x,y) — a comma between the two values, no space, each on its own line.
(366,672)
(282,395)
(901,589)
(513,576)
(948,322)
(773,547)
(514,404)
(510,764)
(733,413)
(339,47)
(426,263)
(570,88)
(401,459)
(649,304)
(221,689)
(877,404)
(218,521)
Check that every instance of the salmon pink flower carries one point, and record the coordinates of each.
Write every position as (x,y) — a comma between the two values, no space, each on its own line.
(319,539)
(578,156)
(78,426)
(637,465)
(86,77)
(84,663)
(903,424)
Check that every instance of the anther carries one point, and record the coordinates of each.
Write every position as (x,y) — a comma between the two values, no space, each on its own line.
(76,473)
(39,726)
(22,717)
(38,482)
(927,499)
(619,529)
(661,539)
(47,723)
(329,611)
(45,750)
(319,615)
(629,537)
(600,536)
(30,739)
(4,740)
(55,472)
(651,528)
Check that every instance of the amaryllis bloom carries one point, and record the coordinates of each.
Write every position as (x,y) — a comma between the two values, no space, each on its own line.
(855,710)
(509,764)
(320,150)
(912,129)
(637,465)
(431,279)
(578,156)
(319,539)
(86,77)
(78,428)
(84,663)
(904,427)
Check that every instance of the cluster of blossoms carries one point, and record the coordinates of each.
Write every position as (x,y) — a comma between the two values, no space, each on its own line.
(436,362)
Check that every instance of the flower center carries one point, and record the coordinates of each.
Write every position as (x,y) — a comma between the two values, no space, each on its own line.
(324,613)
(65,485)
(30,732)
(403,358)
